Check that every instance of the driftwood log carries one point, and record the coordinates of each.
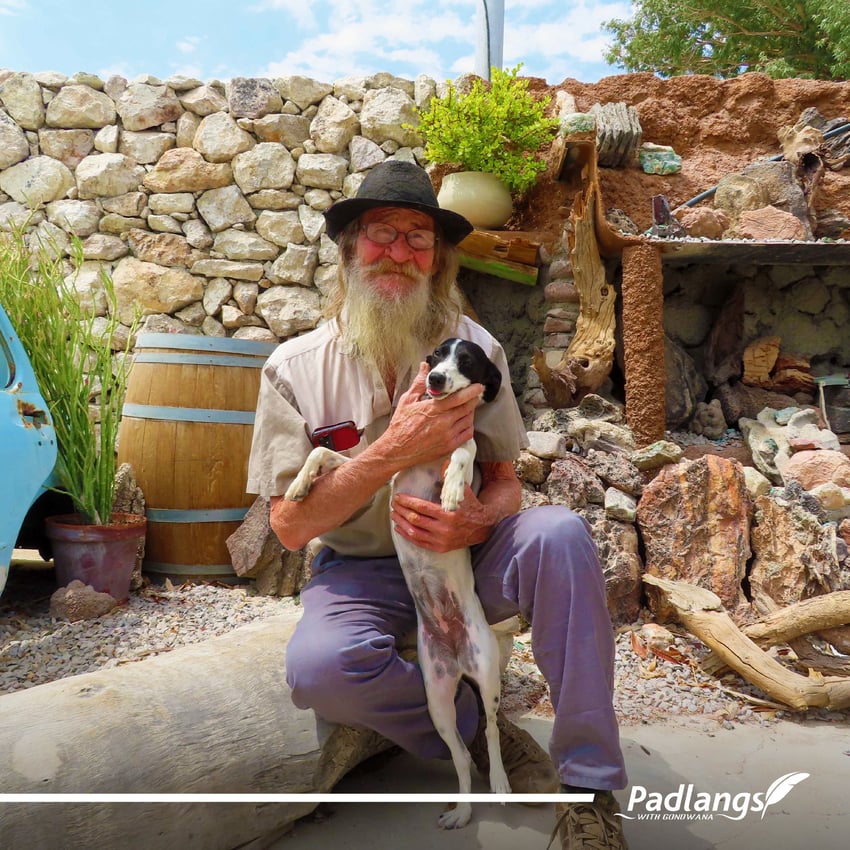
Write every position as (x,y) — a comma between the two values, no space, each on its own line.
(802,618)
(702,613)
(209,718)
(792,625)
(587,361)
(213,718)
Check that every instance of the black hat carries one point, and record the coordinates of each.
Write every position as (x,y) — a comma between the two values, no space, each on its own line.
(396,183)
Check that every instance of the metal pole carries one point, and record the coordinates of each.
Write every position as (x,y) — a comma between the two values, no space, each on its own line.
(490,27)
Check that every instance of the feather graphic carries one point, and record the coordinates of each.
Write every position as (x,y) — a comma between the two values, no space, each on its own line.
(781,787)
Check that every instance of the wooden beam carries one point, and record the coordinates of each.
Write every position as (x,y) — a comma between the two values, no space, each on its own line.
(501,268)
(502,245)
(504,253)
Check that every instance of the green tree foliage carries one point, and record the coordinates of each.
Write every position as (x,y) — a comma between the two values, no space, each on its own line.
(782,38)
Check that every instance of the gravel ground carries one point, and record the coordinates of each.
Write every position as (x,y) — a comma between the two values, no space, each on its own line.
(650,687)
(660,687)
(35,649)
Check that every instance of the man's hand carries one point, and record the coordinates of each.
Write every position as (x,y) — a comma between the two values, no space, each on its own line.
(421,431)
(427,525)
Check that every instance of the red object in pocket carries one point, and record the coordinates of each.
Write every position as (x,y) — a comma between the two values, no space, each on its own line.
(338,438)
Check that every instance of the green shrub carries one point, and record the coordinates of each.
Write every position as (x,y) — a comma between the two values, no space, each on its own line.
(497,128)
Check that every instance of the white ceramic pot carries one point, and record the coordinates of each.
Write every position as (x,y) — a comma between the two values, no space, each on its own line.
(479,196)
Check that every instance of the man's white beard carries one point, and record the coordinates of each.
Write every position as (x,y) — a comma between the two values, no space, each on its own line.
(389,331)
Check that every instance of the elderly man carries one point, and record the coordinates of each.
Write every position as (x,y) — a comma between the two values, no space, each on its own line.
(356,383)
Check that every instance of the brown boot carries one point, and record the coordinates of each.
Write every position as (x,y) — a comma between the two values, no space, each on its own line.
(527,764)
(589,826)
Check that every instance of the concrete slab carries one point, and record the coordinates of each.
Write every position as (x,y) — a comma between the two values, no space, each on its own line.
(664,761)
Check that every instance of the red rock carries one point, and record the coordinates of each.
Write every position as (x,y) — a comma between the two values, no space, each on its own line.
(769,223)
(811,468)
(704,222)
(694,520)
(560,291)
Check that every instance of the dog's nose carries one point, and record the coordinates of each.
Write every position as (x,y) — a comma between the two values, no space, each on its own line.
(436,381)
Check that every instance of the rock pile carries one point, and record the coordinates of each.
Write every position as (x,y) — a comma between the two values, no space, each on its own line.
(716,529)
(710,521)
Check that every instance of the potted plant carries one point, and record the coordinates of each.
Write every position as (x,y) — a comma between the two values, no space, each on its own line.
(70,347)
(494,129)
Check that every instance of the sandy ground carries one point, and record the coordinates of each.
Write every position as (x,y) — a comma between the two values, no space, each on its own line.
(661,759)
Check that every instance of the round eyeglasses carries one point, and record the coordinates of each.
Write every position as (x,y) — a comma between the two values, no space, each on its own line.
(385,234)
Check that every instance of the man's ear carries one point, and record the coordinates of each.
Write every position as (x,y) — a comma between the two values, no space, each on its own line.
(492,382)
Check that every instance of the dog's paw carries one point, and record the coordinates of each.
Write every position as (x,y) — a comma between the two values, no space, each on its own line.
(303,483)
(454,489)
(300,487)
(455,818)
(319,461)
(499,783)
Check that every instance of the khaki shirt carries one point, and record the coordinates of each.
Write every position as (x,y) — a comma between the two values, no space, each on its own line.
(311,381)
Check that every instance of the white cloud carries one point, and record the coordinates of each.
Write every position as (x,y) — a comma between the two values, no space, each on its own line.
(328,39)
(301,10)
(191,71)
(188,44)
(462,65)
(363,37)
(117,69)
(13,7)
(559,43)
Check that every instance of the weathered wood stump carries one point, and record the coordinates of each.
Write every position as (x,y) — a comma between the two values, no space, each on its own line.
(216,717)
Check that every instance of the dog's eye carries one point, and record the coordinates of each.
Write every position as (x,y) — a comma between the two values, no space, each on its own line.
(464,361)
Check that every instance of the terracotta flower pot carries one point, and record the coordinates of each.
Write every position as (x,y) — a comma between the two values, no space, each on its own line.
(102,556)
(479,196)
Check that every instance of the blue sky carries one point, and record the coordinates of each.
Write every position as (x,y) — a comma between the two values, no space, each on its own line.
(323,39)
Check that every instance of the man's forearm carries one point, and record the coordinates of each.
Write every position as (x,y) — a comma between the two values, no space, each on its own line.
(501,497)
(419,431)
(333,499)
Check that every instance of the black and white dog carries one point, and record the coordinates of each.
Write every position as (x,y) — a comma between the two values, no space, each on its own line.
(453,636)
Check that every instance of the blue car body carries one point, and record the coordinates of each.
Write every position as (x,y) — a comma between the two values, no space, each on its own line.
(27,442)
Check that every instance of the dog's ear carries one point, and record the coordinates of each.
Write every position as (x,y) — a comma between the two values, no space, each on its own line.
(438,353)
(492,382)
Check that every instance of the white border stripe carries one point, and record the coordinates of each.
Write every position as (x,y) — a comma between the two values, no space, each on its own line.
(296,798)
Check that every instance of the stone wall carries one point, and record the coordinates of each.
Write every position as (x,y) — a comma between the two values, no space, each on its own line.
(808,306)
(712,312)
(202,200)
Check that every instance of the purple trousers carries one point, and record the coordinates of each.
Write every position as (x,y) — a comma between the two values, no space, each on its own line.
(342,660)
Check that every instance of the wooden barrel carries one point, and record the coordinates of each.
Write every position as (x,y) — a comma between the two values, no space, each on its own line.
(186,429)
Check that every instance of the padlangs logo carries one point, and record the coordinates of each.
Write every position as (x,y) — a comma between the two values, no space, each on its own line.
(687,803)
